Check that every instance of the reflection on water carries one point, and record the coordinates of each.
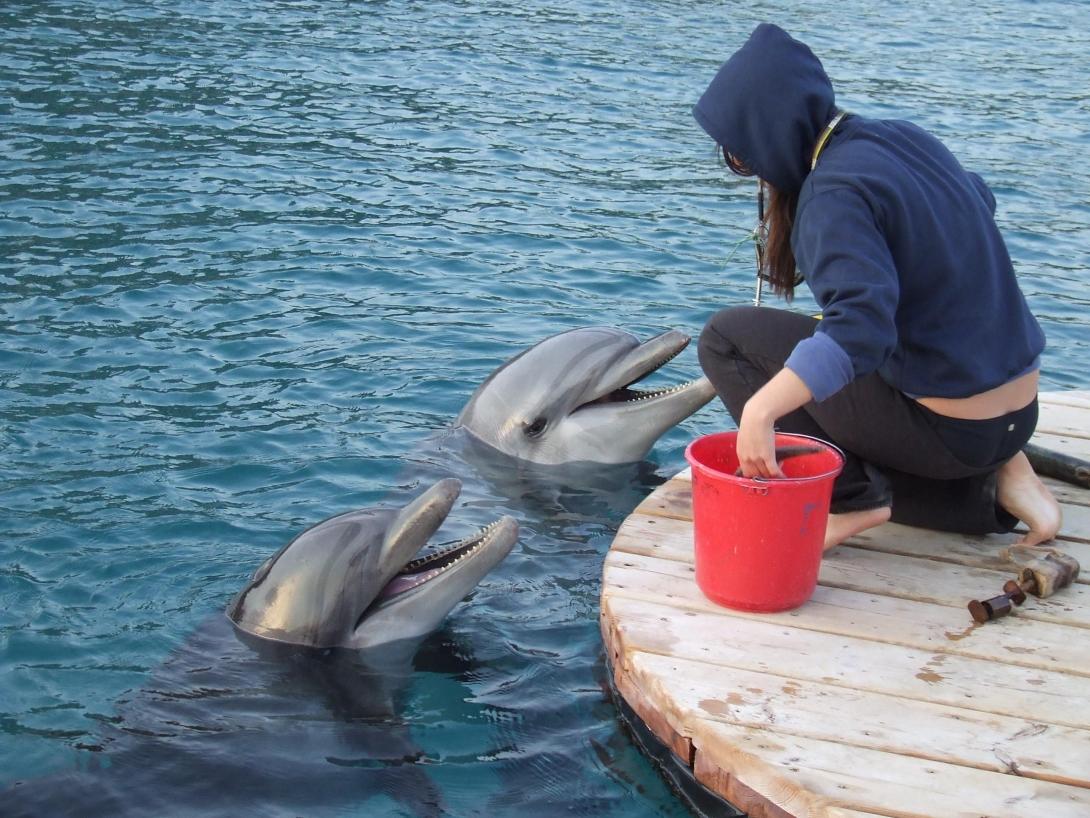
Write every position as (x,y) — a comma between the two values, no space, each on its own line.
(255,258)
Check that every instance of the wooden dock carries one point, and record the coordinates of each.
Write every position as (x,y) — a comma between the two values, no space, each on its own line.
(880,696)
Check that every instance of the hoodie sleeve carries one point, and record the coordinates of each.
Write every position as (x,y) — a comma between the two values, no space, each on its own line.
(843,254)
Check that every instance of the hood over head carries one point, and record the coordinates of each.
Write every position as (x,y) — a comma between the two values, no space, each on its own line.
(768,105)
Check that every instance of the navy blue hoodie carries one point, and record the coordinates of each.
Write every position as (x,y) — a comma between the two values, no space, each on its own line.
(897,241)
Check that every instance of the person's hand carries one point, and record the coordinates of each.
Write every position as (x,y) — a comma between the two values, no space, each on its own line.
(757,444)
(756,436)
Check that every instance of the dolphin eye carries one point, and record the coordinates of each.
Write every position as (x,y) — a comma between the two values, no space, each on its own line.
(536,428)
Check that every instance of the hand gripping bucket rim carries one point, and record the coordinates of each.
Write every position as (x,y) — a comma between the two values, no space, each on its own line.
(757,542)
(760,481)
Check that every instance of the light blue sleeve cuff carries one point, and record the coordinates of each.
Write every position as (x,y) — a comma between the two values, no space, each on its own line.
(822,364)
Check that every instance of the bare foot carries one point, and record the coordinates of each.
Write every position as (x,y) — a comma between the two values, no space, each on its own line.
(842,526)
(1020,491)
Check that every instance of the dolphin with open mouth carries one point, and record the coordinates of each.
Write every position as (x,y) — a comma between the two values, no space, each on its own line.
(572,398)
(290,703)
(358,579)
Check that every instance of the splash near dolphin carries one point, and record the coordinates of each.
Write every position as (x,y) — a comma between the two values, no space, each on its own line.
(572,398)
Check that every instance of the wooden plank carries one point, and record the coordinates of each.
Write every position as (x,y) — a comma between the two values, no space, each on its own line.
(671,538)
(892,621)
(650,714)
(1067,494)
(956,549)
(925,580)
(1064,443)
(1065,420)
(1072,397)
(747,799)
(673,499)
(685,690)
(806,776)
(639,625)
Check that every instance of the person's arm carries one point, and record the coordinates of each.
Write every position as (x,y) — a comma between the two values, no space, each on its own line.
(840,246)
(785,393)
(854,280)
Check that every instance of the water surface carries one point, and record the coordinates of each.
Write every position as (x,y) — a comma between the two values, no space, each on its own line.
(256,256)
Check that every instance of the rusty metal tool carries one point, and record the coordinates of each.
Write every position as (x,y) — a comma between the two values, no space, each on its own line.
(998,606)
(1042,572)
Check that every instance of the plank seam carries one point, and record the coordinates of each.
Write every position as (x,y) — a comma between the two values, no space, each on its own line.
(1006,768)
(721,663)
(1027,613)
(1023,612)
(725,614)
(896,552)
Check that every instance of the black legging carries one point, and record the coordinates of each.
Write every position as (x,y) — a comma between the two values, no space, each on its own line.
(936,472)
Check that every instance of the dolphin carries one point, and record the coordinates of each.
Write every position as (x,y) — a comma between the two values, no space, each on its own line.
(290,703)
(280,705)
(356,581)
(570,398)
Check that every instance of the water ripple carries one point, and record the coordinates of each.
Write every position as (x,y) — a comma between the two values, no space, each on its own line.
(256,255)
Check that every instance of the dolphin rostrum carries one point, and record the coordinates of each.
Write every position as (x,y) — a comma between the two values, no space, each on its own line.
(570,398)
(355,580)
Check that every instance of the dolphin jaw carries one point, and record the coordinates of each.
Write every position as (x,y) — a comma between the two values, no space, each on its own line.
(418,572)
(628,396)
(624,431)
(414,524)
(610,390)
(417,610)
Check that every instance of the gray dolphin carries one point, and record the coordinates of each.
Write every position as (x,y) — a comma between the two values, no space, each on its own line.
(569,398)
(354,580)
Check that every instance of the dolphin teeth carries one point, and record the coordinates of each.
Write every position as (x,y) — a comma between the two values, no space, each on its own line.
(658,393)
(463,548)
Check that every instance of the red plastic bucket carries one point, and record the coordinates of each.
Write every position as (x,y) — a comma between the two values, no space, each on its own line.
(758,543)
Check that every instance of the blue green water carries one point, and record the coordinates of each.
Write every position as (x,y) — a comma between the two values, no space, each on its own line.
(254,255)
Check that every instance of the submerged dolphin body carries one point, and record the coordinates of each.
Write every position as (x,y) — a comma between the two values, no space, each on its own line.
(570,398)
(290,703)
(233,725)
(355,580)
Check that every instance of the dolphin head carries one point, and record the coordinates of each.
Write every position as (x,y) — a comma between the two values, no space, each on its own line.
(356,579)
(570,398)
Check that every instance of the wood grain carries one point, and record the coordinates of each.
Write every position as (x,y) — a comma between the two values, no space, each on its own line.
(879,696)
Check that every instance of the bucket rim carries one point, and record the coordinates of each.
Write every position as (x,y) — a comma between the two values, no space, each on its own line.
(697,465)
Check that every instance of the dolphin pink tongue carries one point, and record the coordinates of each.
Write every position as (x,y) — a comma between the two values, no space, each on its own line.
(403,582)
